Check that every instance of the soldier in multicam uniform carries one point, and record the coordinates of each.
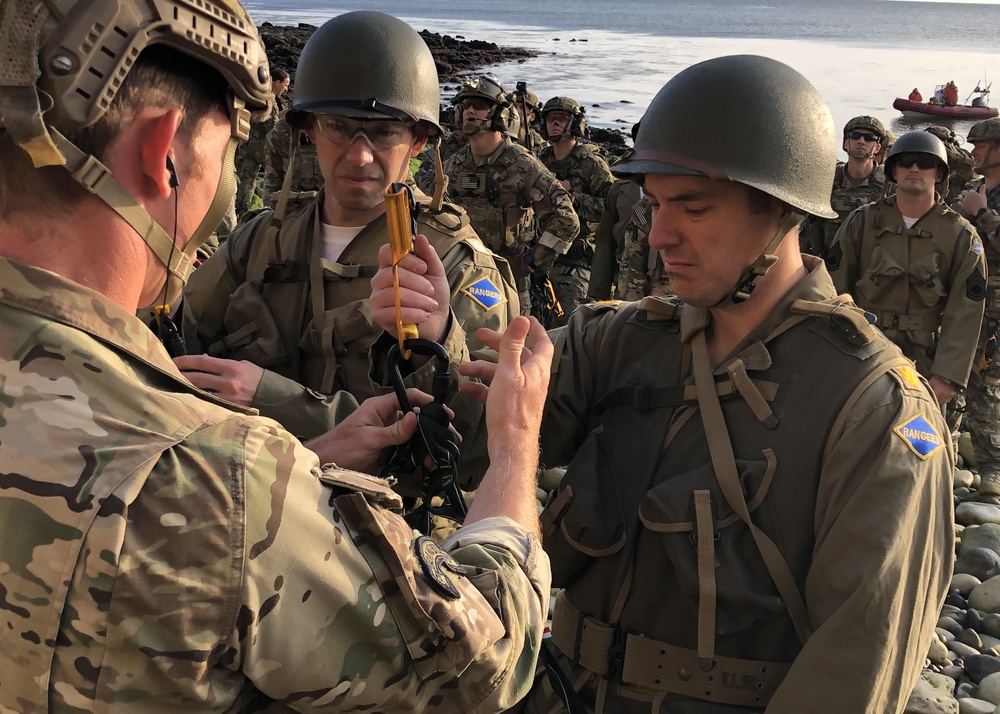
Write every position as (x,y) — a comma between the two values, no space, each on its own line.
(609,238)
(587,177)
(282,310)
(174,552)
(454,140)
(307,177)
(251,155)
(858,181)
(641,272)
(979,202)
(961,165)
(528,109)
(517,206)
(917,265)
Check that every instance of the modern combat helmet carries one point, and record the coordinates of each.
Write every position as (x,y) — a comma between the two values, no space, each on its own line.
(786,148)
(63,70)
(578,123)
(916,142)
(503,117)
(987,130)
(865,123)
(367,65)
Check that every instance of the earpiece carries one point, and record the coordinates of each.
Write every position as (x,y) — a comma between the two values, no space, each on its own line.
(172,170)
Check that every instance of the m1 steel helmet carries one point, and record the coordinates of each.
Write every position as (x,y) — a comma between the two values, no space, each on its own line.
(916,142)
(367,65)
(786,147)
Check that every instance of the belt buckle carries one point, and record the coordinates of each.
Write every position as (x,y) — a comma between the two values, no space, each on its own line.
(616,653)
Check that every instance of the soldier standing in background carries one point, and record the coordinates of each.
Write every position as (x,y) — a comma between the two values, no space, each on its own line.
(307,177)
(516,205)
(170,551)
(251,154)
(961,165)
(917,265)
(587,178)
(528,109)
(609,238)
(980,204)
(858,181)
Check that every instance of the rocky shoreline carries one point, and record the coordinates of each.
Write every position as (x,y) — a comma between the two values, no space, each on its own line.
(456,58)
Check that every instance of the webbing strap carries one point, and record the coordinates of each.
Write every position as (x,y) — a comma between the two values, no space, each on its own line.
(724,463)
(758,404)
(644,398)
(705,543)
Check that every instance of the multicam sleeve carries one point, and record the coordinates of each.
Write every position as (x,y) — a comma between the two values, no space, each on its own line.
(553,207)
(344,606)
(590,204)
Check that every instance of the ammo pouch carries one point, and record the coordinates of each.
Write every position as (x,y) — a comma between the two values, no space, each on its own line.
(252,332)
(925,279)
(882,274)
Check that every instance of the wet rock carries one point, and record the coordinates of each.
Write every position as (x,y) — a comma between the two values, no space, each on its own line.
(986,596)
(981,563)
(971,513)
(938,653)
(933,695)
(964,583)
(980,666)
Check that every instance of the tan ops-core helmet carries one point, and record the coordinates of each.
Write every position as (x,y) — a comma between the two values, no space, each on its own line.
(62,63)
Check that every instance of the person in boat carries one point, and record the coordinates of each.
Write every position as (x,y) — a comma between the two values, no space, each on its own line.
(857,181)
(950,94)
(917,265)
(979,202)
(915,96)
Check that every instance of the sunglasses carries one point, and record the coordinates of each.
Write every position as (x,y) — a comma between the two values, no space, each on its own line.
(863,135)
(921,161)
(380,134)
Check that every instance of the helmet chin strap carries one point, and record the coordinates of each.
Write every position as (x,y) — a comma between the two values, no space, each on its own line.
(748,281)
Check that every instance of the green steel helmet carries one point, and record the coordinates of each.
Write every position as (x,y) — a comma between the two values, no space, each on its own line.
(916,142)
(865,123)
(786,147)
(988,130)
(63,69)
(578,125)
(367,65)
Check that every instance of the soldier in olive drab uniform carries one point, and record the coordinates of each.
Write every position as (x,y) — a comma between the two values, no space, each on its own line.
(251,155)
(609,238)
(917,265)
(961,165)
(285,317)
(168,551)
(980,204)
(529,108)
(517,206)
(586,176)
(756,474)
(859,181)
(306,173)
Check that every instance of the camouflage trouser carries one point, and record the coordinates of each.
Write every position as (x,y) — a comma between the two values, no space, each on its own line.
(982,418)
(248,166)
(571,283)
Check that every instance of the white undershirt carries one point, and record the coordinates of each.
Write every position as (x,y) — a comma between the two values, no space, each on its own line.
(336,239)
(909,221)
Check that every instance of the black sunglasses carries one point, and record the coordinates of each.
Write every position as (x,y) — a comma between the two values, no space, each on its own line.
(922,161)
(862,135)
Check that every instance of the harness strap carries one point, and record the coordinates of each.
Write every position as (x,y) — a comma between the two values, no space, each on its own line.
(705,543)
(724,463)
(895,321)
(653,665)
(644,398)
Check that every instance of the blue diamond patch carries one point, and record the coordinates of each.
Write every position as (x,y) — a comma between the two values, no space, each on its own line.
(977,248)
(484,292)
(920,436)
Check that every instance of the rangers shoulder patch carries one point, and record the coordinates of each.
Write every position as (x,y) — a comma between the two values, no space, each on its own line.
(920,436)
(484,292)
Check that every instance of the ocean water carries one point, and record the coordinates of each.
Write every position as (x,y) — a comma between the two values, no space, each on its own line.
(614,55)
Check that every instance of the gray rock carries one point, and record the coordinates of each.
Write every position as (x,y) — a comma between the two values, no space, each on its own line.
(975,706)
(982,563)
(984,536)
(962,650)
(989,643)
(963,478)
(991,624)
(986,596)
(950,624)
(956,672)
(979,667)
(932,695)
(952,611)
(965,449)
(962,493)
(970,513)
(964,583)
(945,636)
(937,652)
(965,690)
(989,689)
(973,619)
(971,638)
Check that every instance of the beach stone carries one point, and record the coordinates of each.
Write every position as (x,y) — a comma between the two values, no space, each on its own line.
(956,600)
(981,666)
(991,624)
(933,694)
(989,642)
(975,706)
(965,449)
(981,563)
(964,583)
(986,595)
(965,690)
(989,689)
(962,650)
(944,635)
(971,638)
(963,478)
(950,624)
(973,619)
(938,652)
(955,671)
(961,493)
(984,536)
(971,513)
